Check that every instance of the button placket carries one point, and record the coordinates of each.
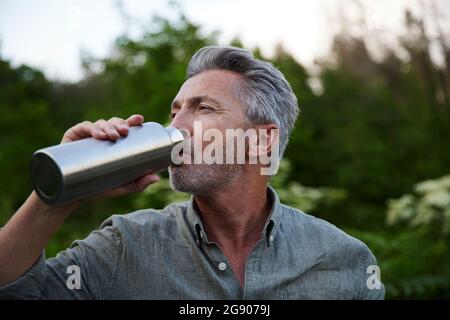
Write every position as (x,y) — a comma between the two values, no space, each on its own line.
(253,272)
(217,257)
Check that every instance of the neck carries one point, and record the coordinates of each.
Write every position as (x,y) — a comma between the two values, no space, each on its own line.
(234,217)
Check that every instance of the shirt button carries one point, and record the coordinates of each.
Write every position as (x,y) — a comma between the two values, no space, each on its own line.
(222,266)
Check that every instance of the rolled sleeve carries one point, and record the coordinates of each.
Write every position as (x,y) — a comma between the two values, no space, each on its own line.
(29,285)
(95,259)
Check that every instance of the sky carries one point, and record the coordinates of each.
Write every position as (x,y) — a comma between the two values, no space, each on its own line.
(51,34)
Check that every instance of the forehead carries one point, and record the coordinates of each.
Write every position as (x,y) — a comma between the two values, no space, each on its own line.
(219,84)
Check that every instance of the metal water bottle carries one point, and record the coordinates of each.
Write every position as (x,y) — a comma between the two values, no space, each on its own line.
(88,166)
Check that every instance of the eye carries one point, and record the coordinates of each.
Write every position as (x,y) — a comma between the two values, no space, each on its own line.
(205,107)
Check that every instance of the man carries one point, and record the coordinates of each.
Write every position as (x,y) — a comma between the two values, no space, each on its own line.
(232,240)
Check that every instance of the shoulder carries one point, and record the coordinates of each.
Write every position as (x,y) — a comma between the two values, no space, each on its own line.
(145,221)
(334,245)
(332,249)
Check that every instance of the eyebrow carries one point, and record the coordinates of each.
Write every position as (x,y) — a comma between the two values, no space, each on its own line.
(197,100)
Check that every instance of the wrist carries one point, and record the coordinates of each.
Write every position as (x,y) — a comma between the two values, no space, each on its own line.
(50,211)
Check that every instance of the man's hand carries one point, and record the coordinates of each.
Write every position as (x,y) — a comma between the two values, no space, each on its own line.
(112,129)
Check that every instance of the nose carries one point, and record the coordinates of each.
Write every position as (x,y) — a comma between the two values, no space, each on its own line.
(184,120)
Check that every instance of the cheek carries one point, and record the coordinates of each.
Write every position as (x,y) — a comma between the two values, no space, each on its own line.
(220,122)
(212,121)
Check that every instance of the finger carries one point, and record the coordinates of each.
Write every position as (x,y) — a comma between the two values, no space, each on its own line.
(120,124)
(135,120)
(142,183)
(98,133)
(77,132)
(109,129)
(137,185)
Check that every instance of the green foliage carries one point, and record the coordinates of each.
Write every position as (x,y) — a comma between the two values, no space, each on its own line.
(144,76)
(430,206)
(414,253)
(24,122)
(413,263)
(307,199)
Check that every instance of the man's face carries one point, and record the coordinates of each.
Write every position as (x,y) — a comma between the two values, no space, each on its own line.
(208,97)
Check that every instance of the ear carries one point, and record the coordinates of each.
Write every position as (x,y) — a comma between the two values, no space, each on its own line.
(268,139)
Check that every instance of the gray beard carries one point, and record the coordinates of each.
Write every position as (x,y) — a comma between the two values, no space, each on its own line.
(201,179)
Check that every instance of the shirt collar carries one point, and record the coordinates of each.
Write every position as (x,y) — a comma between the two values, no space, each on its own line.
(270,228)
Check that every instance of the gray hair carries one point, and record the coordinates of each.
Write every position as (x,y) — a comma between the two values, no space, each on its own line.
(267,95)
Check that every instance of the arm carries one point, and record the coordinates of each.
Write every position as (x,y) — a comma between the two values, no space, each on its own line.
(24,237)
(26,234)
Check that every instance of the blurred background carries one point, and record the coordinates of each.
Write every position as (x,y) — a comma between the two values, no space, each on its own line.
(371,149)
